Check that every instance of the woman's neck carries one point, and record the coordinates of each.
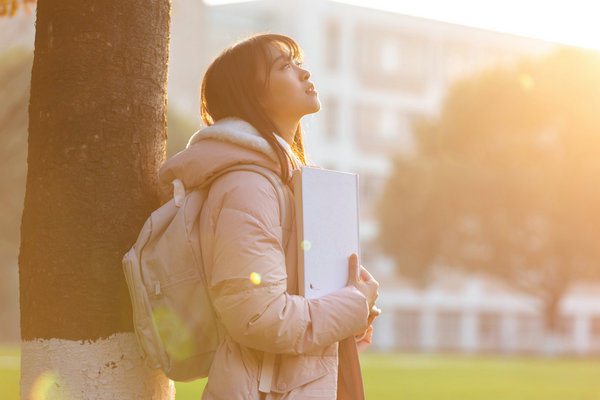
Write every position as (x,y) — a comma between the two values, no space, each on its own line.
(287,130)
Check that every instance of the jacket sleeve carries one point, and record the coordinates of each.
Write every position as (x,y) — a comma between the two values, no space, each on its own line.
(248,280)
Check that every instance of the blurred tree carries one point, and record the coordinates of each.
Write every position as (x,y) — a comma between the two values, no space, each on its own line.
(505,181)
(97,128)
(10,7)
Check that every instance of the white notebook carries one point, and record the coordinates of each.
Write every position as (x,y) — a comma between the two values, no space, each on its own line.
(327,220)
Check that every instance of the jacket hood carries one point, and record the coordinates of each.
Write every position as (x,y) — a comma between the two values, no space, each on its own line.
(228,142)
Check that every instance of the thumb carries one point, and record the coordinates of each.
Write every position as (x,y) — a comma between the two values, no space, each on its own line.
(353,269)
(365,275)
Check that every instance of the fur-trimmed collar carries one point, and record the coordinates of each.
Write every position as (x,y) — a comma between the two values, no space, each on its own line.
(236,131)
(228,142)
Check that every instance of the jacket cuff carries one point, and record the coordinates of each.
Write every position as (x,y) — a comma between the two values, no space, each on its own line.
(339,315)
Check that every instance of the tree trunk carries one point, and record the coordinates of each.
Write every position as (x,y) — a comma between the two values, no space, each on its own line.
(97,128)
(552,342)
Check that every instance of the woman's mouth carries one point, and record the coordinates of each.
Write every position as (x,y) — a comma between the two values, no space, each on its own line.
(311,90)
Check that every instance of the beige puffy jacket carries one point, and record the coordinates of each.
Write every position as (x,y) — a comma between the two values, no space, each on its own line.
(242,237)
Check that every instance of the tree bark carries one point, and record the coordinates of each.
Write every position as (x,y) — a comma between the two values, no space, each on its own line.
(97,129)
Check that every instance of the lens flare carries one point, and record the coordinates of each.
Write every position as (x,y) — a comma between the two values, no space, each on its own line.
(526,82)
(255,278)
(305,245)
(45,386)
(174,333)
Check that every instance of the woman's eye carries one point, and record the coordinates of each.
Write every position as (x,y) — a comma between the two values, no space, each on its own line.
(289,64)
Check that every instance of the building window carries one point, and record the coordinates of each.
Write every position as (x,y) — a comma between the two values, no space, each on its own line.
(595,327)
(529,330)
(407,328)
(449,330)
(370,191)
(332,46)
(384,131)
(365,125)
(456,60)
(331,111)
(566,326)
(388,125)
(389,56)
(393,60)
(490,336)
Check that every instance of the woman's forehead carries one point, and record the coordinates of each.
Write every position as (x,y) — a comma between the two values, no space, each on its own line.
(278,50)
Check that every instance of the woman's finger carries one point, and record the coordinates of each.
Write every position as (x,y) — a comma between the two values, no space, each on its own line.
(365,275)
(365,341)
(375,311)
(352,269)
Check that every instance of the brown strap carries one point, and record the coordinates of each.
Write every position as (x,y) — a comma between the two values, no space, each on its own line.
(350,383)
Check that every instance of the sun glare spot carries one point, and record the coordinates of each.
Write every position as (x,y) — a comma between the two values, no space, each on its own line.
(45,386)
(255,278)
(526,82)
(174,332)
(305,245)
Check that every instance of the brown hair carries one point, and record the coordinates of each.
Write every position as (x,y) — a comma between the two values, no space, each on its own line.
(230,88)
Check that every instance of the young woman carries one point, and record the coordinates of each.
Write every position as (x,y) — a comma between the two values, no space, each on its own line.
(253,97)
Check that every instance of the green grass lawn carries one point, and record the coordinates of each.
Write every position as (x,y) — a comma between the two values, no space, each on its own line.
(9,372)
(429,377)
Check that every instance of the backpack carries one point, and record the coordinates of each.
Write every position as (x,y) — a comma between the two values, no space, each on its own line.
(176,327)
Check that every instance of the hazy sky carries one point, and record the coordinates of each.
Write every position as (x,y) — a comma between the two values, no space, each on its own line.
(572,22)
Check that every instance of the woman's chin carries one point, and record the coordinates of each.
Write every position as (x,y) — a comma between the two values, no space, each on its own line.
(316,106)
(311,108)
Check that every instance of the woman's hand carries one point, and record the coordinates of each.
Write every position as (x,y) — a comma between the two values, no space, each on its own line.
(363,339)
(369,287)
(366,284)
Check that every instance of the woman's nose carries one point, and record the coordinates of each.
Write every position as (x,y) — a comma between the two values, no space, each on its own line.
(305,74)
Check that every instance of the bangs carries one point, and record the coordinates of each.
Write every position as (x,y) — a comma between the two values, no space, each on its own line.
(287,44)
(262,44)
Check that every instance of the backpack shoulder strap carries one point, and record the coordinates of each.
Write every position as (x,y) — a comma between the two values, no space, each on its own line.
(271,177)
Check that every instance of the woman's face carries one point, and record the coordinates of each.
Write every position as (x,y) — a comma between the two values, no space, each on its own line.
(288,94)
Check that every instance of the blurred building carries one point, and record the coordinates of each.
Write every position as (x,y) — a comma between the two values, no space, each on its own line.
(375,73)
(18,31)
(459,313)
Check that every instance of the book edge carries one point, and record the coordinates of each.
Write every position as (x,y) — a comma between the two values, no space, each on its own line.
(297,184)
